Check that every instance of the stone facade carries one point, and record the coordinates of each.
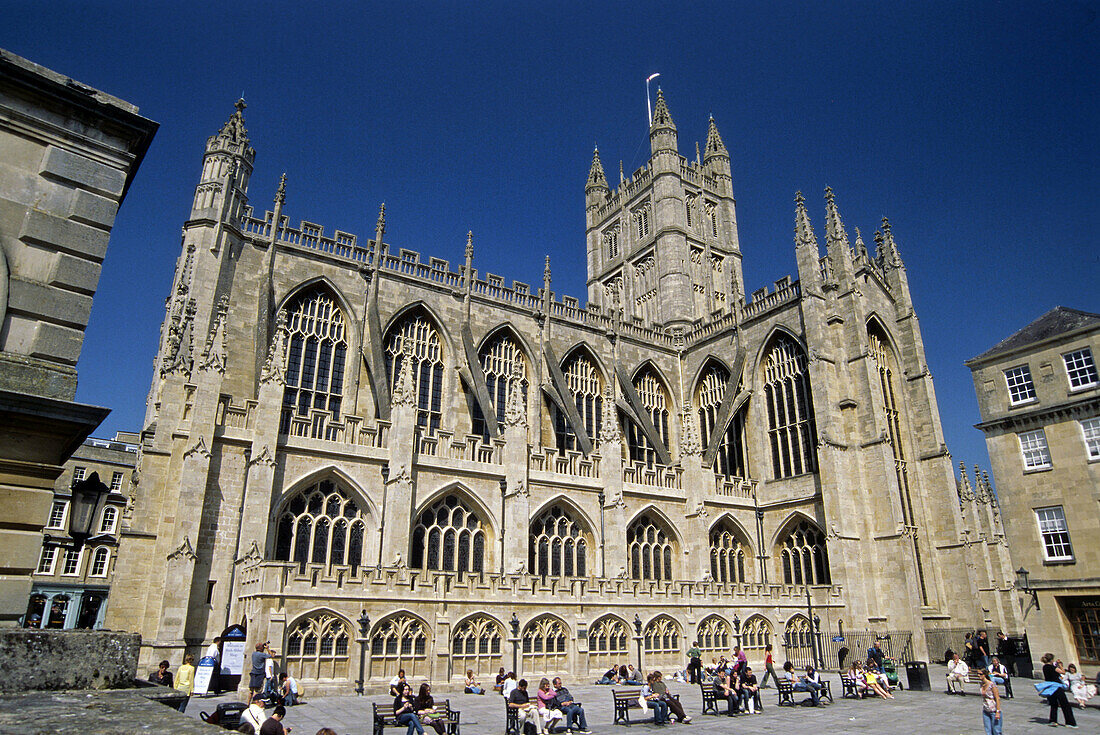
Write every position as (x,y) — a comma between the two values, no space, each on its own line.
(69,155)
(337,426)
(71,585)
(1039,397)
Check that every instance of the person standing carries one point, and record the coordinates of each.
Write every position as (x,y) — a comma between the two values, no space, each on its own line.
(769,667)
(1057,695)
(271,683)
(214,651)
(1006,652)
(875,654)
(982,650)
(991,706)
(185,679)
(695,664)
(257,673)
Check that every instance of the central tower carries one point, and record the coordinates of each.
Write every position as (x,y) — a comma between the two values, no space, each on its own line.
(662,248)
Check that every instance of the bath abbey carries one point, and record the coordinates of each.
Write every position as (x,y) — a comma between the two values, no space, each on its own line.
(356,450)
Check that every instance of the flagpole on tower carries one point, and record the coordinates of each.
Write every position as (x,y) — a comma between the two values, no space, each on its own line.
(648,106)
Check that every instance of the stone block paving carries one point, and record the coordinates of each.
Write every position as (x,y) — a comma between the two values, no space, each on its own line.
(926,713)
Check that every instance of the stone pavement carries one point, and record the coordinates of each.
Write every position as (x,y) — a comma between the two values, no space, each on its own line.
(926,713)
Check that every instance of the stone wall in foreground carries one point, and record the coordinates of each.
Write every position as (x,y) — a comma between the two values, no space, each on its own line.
(73,659)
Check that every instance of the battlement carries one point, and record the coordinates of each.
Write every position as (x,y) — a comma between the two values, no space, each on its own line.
(690,171)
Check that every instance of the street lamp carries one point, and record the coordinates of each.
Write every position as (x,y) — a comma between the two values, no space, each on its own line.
(1026,588)
(638,640)
(819,650)
(364,629)
(514,622)
(87,494)
(737,629)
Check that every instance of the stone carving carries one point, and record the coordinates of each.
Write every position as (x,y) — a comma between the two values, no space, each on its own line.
(609,427)
(689,435)
(263,458)
(404,389)
(521,568)
(183,552)
(252,555)
(199,448)
(621,574)
(178,343)
(399,561)
(274,369)
(214,353)
(515,412)
(401,476)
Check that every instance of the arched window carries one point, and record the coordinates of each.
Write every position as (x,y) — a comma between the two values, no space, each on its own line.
(476,644)
(316,355)
(586,385)
(791,429)
(804,556)
(730,459)
(798,641)
(654,398)
(423,340)
(503,362)
(317,647)
(608,643)
(448,537)
(756,633)
(558,547)
(401,642)
(321,525)
(883,358)
(728,553)
(649,549)
(661,643)
(545,645)
(714,635)
(107,523)
(100,559)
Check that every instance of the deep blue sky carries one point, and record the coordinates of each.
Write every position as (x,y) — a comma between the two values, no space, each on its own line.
(973,126)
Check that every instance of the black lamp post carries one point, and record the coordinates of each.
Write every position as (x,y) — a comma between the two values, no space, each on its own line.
(364,630)
(1025,587)
(737,629)
(819,650)
(86,497)
(514,622)
(638,640)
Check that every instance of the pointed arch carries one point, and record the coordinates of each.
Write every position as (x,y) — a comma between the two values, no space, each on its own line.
(649,364)
(798,640)
(662,641)
(502,357)
(416,334)
(467,494)
(582,346)
(316,644)
(708,393)
(451,532)
(400,640)
(323,519)
(410,309)
(730,551)
(545,644)
(708,360)
(783,369)
(317,321)
(793,519)
(515,333)
(652,546)
(586,380)
(756,634)
(663,518)
(775,333)
(559,543)
(653,391)
(322,473)
(477,644)
(714,634)
(574,507)
(801,552)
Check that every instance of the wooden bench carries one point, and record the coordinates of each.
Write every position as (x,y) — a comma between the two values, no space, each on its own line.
(787,692)
(710,698)
(384,717)
(626,700)
(851,688)
(227,715)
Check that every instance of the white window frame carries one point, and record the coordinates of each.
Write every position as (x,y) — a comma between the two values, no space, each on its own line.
(58,523)
(47,560)
(1083,364)
(1034,450)
(1090,434)
(65,563)
(79,473)
(1016,378)
(116,482)
(1052,520)
(104,526)
(95,562)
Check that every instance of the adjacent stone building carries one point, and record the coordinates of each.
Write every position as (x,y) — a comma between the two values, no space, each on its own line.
(69,153)
(73,580)
(1039,397)
(491,470)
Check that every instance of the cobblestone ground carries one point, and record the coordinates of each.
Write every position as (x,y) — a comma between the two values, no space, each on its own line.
(926,713)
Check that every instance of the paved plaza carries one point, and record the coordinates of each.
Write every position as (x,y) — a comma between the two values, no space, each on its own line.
(927,713)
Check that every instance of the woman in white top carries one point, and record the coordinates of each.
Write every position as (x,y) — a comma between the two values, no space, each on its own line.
(1080,690)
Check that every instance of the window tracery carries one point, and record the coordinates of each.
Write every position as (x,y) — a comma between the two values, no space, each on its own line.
(321,524)
(732,451)
(652,394)
(650,550)
(791,430)
(426,348)
(544,642)
(804,556)
(317,647)
(558,547)
(316,356)
(476,644)
(503,362)
(400,642)
(586,386)
(714,635)
(727,554)
(448,537)
(756,633)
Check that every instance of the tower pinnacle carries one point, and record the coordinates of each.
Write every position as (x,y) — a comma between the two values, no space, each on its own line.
(834,228)
(715,146)
(280,193)
(661,116)
(803,230)
(596,178)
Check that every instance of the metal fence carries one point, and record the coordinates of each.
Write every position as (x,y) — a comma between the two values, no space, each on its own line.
(942,639)
(840,650)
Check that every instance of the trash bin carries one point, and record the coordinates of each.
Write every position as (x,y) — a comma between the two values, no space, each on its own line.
(916,672)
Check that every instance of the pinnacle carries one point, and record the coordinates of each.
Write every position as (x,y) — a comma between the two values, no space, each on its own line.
(470,245)
(546,270)
(380,226)
(803,230)
(596,178)
(661,115)
(234,129)
(715,146)
(834,228)
(280,193)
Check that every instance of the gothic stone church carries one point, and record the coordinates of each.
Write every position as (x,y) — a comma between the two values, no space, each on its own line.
(336,426)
